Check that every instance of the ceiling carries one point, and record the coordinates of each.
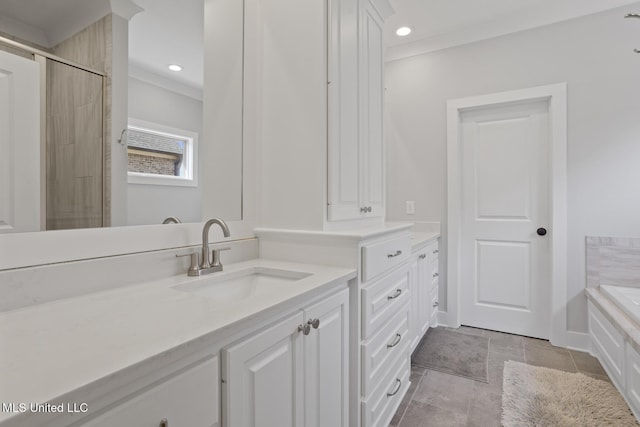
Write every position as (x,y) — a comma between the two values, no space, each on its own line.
(438,24)
(171,31)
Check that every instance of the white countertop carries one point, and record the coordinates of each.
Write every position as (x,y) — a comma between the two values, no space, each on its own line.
(50,349)
(420,239)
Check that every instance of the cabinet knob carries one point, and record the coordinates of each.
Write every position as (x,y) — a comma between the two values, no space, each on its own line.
(396,294)
(435,251)
(435,274)
(315,323)
(164,423)
(363,209)
(305,329)
(435,304)
(423,256)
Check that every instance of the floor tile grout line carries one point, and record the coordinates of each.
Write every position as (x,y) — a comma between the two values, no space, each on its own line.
(411,397)
(575,365)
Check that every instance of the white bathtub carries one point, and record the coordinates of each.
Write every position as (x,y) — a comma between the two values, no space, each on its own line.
(626,298)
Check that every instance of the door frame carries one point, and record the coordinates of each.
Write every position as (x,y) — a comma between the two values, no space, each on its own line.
(556,95)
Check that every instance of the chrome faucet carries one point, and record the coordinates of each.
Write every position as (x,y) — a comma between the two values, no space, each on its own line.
(207,265)
(205,262)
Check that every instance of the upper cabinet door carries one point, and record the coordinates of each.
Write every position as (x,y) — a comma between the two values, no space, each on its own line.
(344,154)
(371,109)
(356,92)
(19,144)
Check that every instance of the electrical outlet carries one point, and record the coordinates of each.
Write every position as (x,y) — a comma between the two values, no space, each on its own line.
(411,207)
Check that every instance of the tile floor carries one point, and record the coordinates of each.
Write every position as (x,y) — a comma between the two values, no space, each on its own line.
(437,399)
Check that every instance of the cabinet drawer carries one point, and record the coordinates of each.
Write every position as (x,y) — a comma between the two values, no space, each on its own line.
(190,398)
(384,347)
(609,344)
(379,408)
(380,257)
(383,299)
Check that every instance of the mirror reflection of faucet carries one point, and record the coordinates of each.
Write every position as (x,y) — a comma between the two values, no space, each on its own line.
(172,220)
(205,264)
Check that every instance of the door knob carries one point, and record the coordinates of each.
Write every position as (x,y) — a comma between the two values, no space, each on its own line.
(541,231)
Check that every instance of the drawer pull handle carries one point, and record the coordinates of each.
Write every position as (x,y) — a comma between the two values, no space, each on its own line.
(435,251)
(305,329)
(435,274)
(396,342)
(394,392)
(396,295)
(397,253)
(164,423)
(435,304)
(315,323)
(423,256)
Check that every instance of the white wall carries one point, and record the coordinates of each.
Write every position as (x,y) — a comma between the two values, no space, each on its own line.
(150,204)
(594,55)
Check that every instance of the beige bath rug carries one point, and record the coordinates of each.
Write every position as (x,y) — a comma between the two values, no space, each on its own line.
(542,397)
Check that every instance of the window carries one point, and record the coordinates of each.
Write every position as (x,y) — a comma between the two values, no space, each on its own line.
(160,155)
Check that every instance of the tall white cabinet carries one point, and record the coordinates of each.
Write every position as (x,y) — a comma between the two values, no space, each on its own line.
(317,81)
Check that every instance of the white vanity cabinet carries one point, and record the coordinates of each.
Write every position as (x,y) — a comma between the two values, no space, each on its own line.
(386,296)
(292,373)
(189,397)
(424,285)
(433,277)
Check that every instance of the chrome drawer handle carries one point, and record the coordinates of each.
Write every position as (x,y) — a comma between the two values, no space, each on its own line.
(435,274)
(423,256)
(436,304)
(164,423)
(397,341)
(396,295)
(436,251)
(398,253)
(315,323)
(394,392)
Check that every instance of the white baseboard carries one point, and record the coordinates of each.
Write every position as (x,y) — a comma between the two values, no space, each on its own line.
(442,318)
(578,341)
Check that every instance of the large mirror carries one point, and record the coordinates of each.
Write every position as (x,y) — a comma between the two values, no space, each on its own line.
(166,161)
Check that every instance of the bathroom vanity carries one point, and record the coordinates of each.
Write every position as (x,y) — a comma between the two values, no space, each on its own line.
(268,347)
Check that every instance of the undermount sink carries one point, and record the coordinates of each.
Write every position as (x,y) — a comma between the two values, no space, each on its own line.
(242,284)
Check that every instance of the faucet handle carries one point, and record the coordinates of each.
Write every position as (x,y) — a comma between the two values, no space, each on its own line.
(215,254)
(193,267)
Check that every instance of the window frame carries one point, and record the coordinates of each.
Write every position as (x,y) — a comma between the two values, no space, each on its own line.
(190,156)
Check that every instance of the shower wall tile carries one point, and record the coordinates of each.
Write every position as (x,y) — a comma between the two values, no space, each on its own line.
(613,261)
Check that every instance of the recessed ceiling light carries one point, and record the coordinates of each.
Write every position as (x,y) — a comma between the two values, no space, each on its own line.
(175,67)
(403,31)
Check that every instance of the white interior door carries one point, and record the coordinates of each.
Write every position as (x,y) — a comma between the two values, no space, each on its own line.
(19,144)
(505,264)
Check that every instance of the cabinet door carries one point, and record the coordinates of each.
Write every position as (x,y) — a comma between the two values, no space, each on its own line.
(424,300)
(264,378)
(344,154)
(415,318)
(371,117)
(326,355)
